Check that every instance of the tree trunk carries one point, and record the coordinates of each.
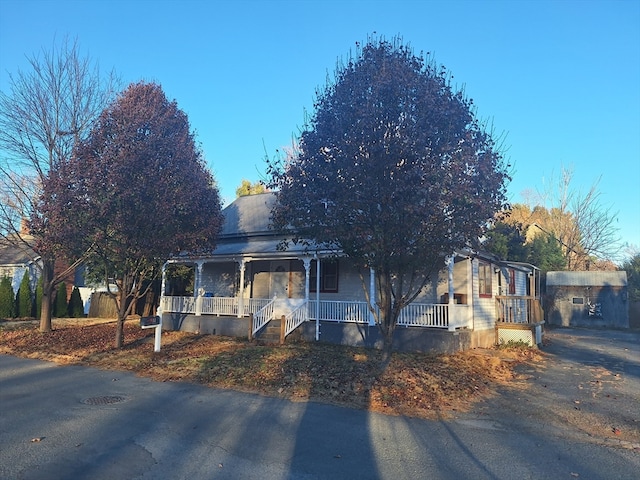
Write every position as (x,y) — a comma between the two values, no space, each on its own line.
(47,295)
(386,322)
(119,332)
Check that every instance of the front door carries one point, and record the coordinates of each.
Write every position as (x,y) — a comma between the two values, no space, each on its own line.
(280,279)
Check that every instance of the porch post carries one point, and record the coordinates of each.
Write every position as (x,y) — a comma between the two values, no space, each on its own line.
(306,261)
(452,318)
(317,297)
(372,294)
(241,266)
(196,287)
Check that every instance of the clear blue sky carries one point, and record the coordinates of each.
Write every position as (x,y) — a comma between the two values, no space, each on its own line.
(560,78)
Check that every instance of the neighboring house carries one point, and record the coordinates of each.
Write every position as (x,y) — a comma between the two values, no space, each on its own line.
(16,258)
(587,299)
(324,296)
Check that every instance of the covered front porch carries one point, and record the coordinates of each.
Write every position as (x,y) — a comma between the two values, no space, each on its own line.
(300,290)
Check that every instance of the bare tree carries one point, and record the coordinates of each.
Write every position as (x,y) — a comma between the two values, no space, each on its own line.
(579,221)
(45,111)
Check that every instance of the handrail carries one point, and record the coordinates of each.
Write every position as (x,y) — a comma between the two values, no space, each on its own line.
(296,318)
(263,316)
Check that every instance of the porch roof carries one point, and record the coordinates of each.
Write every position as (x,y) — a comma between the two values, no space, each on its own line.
(261,247)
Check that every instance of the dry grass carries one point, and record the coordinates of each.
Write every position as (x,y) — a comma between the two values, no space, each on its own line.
(419,385)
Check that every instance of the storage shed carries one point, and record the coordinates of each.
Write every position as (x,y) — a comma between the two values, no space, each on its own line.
(587,299)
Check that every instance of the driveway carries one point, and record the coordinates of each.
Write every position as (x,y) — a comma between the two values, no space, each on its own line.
(557,422)
(587,389)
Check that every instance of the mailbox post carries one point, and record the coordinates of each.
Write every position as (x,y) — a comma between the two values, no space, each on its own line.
(153,322)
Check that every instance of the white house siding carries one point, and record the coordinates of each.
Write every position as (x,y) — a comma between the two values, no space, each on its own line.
(483,307)
(521,283)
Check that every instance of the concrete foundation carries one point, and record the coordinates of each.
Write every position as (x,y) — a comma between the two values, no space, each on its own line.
(407,339)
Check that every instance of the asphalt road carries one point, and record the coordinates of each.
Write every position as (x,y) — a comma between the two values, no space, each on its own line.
(81,423)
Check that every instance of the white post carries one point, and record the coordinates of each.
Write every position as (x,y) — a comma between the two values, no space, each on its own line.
(451,317)
(306,261)
(372,294)
(242,266)
(317,298)
(158,337)
(196,287)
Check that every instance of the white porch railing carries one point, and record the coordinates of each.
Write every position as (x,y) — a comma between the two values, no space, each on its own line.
(340,311)
(252,305)
(424,315)
(178,304)
(219,305)
(296,318)
(262,317)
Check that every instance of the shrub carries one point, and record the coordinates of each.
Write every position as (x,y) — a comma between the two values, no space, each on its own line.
(7,299)
(25,299)
(76,307)
(61,306)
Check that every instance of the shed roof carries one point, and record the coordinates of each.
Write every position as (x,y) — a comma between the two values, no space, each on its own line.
(587,279)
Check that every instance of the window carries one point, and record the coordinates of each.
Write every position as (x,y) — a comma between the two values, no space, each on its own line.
(578,301)
(512,281)
(328,276)
(485,278)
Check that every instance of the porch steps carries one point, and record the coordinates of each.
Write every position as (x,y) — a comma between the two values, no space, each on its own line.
(270,334)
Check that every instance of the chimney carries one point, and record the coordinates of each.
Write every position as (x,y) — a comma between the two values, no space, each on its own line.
(24,227)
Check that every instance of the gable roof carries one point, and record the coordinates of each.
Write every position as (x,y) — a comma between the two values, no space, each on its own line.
(14,251)
(587,279)
(248,215)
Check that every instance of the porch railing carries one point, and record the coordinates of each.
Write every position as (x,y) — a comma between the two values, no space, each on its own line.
(518,309)
(252,305)
(262,317)
(179,304)
(339,311)
(414,315)
(296,318)
(219,305)
(425,315)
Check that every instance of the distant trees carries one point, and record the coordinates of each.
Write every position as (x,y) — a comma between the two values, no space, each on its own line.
(509,241)
(76,306)
(7,299)
(394,169)
(61,306)
(584,227)
(24,298)
(45,112)
(632,267)
(248,188)
(138,190)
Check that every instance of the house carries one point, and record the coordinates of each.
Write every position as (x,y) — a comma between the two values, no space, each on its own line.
(16,258)
(250,279)
(587,299)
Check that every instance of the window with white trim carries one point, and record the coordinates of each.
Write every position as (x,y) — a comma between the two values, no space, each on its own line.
(485,278)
